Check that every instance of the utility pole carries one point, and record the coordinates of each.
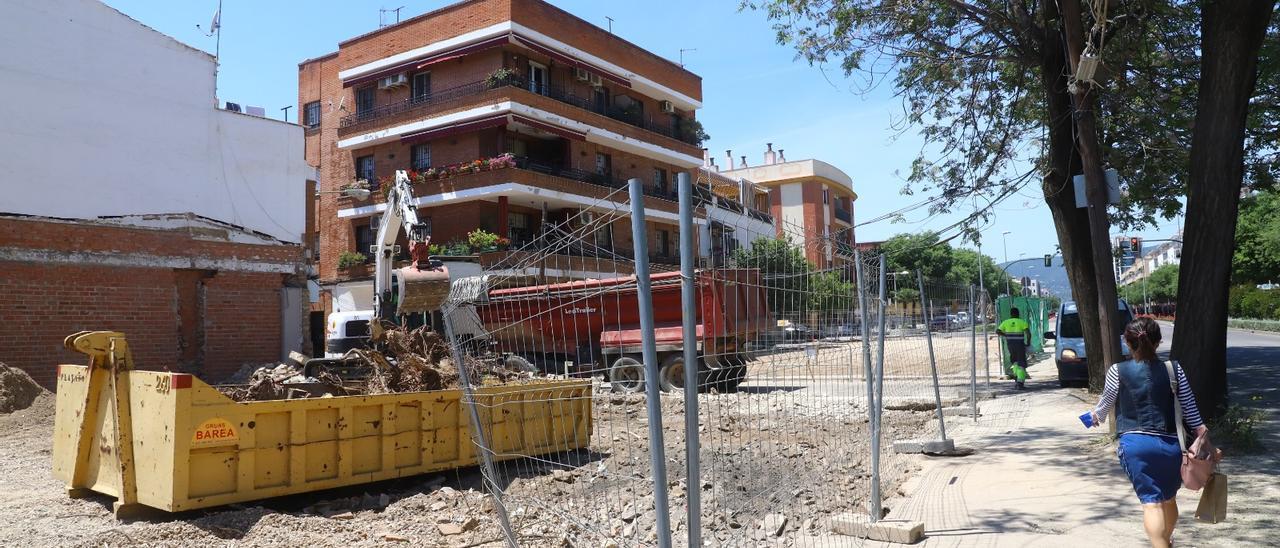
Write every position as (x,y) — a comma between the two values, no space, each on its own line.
(1095,183)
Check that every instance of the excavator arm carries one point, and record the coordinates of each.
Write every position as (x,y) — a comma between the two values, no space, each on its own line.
(419,287)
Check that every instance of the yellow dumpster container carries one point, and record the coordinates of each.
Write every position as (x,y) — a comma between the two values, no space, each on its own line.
(172,442)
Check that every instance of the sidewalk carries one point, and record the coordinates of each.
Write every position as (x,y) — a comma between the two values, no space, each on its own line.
(1039,478)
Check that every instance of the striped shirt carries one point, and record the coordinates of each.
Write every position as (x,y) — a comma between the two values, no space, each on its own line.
(1190,413)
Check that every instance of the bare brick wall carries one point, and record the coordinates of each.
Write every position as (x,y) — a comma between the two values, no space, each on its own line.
(40,304)
(241,321)
(205,321)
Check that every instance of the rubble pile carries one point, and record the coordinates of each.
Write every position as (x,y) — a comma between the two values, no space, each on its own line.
(406,361)
(17,390)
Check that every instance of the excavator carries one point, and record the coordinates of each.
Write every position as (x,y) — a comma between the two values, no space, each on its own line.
(421,287)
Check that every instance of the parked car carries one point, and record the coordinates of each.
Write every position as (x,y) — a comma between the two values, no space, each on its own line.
(797,333)
(1069,352)
(940,322)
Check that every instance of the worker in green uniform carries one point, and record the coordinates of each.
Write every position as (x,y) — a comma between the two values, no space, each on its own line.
(1017,334)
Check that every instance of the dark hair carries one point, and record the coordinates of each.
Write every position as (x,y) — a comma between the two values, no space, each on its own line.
(1013,312)
(1143,336)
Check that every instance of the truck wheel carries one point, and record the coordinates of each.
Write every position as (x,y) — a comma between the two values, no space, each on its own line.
(671,376)
(731,378)
(626,375)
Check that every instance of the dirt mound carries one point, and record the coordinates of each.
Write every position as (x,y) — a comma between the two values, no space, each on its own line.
(17,390)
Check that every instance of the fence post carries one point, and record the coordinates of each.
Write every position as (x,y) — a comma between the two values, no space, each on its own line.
(477,432)
(688,302)
(973,359)
(876,506)
(933,364)
(657,450)
(866,336)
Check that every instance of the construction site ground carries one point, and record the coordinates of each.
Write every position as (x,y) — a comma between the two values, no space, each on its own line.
(773,446)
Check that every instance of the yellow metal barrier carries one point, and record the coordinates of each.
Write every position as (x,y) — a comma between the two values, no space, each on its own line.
(170,441)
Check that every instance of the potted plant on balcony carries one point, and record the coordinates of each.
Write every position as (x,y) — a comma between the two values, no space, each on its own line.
(690,131)
(501,162)
(498,78)
(350,259)
(483,241)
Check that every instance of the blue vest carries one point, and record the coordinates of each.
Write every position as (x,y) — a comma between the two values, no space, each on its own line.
(1145,400)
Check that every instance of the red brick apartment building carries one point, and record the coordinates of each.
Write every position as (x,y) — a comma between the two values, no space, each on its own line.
(812,202)
(558,112)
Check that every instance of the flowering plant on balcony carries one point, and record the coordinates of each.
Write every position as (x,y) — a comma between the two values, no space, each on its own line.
(474,166)
(482,240)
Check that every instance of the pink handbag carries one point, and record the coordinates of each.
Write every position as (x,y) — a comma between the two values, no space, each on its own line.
(1199,461)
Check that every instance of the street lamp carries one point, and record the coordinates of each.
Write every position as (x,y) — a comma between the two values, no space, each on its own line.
(353,192)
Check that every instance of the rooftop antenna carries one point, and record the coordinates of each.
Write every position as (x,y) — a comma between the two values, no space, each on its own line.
(215,28)
(610,23)
(286,112)
(382,12)
(682,50)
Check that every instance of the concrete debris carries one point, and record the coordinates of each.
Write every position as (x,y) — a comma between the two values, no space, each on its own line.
(774,524)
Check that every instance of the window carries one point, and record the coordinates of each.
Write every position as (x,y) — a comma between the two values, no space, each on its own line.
(311,114)
(826,196)
(364,170)
(600,99)
(604,164)
(538,78)
(664,243)
(364,101)
(660,181)
(604,237)
(518,228)
(421,155)
(365,233)
(421,86)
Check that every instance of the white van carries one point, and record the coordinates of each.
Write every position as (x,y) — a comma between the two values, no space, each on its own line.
(1069,334)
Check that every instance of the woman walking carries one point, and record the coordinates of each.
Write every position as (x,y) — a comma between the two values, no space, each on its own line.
(1148,447)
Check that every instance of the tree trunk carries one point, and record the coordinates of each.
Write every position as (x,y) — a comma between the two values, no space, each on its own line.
(1231,33)
(1071,223)
(1099,221)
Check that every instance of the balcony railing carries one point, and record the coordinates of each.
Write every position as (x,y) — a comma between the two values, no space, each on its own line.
(628,116)
(844,215)
(591,177)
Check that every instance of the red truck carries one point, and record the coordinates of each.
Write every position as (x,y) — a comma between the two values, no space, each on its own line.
(586,327)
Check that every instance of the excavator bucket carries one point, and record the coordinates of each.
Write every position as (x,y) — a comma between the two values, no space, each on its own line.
(422,290)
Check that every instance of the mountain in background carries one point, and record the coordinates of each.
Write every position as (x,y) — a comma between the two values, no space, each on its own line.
(1053,279)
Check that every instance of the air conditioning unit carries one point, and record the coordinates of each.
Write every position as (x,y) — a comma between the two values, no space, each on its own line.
(667,107)
(595,80)
(581,74)
(393,81)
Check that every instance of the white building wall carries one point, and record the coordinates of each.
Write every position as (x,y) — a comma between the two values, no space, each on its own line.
(106,116)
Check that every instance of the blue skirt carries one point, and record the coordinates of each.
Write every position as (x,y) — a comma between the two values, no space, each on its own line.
(1153,464)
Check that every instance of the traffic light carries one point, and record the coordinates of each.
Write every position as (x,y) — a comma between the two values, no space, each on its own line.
(1135,243)
(1048,260)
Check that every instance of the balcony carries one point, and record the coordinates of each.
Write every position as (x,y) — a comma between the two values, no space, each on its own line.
(844,215)
(558,93)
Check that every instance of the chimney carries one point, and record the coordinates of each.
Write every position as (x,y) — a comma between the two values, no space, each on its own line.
(770,157)
(744,161)
(729,155)
(714,167)
(706,157)
(781,157)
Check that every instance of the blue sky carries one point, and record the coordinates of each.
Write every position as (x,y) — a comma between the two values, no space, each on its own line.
(754,91)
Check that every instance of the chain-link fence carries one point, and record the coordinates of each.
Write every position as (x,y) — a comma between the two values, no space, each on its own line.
(787,363)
